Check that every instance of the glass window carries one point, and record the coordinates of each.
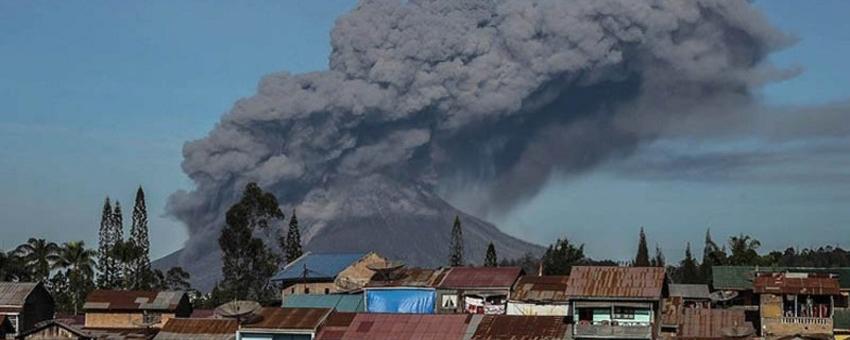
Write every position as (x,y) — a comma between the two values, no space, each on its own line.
(624,313)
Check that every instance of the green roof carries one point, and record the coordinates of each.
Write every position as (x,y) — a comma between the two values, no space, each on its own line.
(741,277)
(340,302)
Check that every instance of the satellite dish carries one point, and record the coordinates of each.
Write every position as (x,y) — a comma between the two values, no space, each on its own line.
(241,311)
(385,270)
(723,295)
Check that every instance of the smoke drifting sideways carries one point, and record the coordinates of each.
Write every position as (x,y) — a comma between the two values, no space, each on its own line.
(494,95)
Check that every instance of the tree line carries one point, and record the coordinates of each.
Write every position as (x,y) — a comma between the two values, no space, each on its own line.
(72,270)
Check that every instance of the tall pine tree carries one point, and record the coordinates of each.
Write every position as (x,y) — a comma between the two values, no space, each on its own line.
(105,244)
(116,236)
(456,247)
(139,237)
(642,257)
(689,268)
(292,244)
(248,263)
(490,259)
(712,255)
(658,260)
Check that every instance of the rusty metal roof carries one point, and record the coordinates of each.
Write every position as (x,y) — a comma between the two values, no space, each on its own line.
(15,293)
(541,288)
(375,326)
(407,277)
(784,283)
(191,329)
(480,277)
(516,327)
(124,300)
(289,318)
(616,282)
(704,323)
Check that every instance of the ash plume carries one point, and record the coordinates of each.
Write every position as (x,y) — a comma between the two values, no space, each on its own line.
(444,96)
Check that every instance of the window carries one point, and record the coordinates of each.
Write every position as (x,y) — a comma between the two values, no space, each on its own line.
(306,290)
(292,291)
(13,319)
(624,313)
(327,290)
(449,301)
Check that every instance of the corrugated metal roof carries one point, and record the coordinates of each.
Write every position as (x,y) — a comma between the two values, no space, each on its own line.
(541,288)
(516,327)
(339,302)
(407,277)
(15,293)
(480,277)
(397,327)
(616,282)
(190,329)
(690,291)
(704,323)
(317,266)
(102,299)
(741,277)
(780,283)
(289,318)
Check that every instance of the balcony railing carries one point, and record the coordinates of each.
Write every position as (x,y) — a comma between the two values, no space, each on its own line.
(609,331)
(805,321)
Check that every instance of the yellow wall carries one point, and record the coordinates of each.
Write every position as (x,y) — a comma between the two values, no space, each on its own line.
(121,320)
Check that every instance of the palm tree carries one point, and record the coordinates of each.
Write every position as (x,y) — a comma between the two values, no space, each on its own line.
(75,257)
(40,256)
(126,253)
(12,268)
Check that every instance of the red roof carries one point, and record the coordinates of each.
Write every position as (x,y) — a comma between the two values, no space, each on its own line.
(480,277)
(780,283)
(134,300)
(541,288)
(616,282)
(516,327)
(375,326)
(704,323)
(200,326)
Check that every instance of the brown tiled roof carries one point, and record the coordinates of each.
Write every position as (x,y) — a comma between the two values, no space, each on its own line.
(616,282)
(376,326)
(780,283)
(480,277)
(178,328)
(407,277)
(516,327)
(289,318)
(541,288)
(704,323)
(202,313)
(133,300)
(15,293)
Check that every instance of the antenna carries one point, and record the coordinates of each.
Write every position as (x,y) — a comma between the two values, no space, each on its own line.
(242,311)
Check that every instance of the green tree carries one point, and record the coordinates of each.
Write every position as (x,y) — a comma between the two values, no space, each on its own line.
(248,263)
(456,246)
(292,243)
(78,262)
(124,255)
(178,279)
(13,268)
(106,241)
(658,260)
(560,257)
(712,255)
(688,268)
(743,250)
(642,257)
(139,235)
(40,256)
(490,259)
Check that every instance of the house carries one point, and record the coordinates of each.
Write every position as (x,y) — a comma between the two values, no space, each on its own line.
(616,302)
(326,273)
(736,282)
(796,303)
(477,290)
(134,309)
(708,323)
(520,327)
(370,326)
(338,302)
(680,298)
(198,329)
(539,295)
(24,304)
(403,290)
(274,323)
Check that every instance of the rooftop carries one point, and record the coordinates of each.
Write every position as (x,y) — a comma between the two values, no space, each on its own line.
(741,277)
(375,326)
(690,291)
(15,293)
(616,282)
(704,323)
(289,318)
(782,283)
(408,277)
(541,288)
(198,329)
(311,266)
(133,300)
(480,277)
(521,327)
(339,302)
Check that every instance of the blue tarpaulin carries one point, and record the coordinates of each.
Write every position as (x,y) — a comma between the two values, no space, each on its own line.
(400,300)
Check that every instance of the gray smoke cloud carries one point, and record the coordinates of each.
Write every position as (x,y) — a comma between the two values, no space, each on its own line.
(492,95)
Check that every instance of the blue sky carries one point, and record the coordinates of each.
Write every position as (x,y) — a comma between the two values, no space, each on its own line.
(98,97)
